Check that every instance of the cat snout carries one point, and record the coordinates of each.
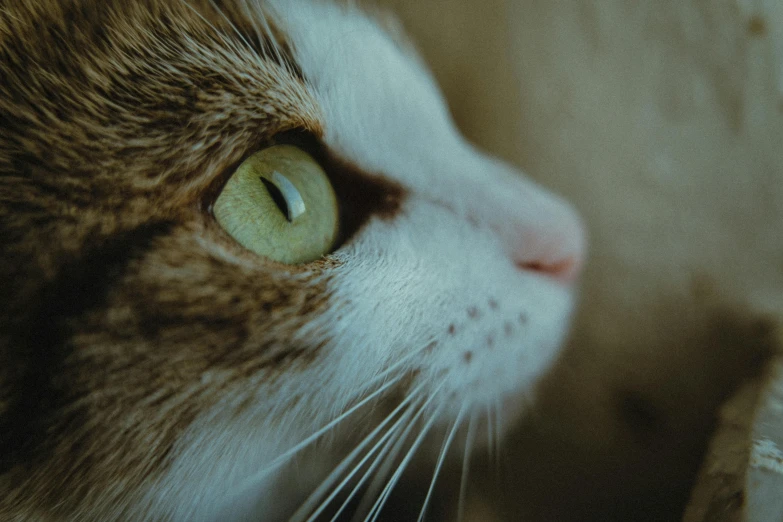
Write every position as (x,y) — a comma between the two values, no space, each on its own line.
(552,244)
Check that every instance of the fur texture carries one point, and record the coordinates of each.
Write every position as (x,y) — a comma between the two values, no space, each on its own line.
(153,369)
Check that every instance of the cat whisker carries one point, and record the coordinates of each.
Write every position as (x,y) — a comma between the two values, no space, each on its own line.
(372,491)
(470,438)
(380,476)
(283,458)
(385,373)
(392,450)
(490,435)
(308,505)
(398,432)
(498,434)
(384,496)
(398,364)
(441,457)
(286,456)
(383,441)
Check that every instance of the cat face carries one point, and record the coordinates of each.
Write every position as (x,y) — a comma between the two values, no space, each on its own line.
(152,365)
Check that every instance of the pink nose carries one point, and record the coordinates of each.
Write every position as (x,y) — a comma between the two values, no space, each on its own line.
(553,245)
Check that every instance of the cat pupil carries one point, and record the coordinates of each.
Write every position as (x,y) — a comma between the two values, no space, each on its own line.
(277,197)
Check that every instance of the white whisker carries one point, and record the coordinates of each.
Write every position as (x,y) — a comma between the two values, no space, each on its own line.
(498,432)
(383,472)
(383,440)
(284,457)
(397,365)
(490,436)
(390,369)
(470,438)
(287,455)
(410,418)
(405,358)
(378,506)
(308,505)
(446,445)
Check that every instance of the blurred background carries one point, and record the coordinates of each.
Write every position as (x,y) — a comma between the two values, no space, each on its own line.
(662,121)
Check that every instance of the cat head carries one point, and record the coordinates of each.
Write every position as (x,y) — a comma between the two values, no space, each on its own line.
(147,340)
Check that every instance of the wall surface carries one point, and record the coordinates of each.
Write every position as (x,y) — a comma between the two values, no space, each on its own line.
(662,121)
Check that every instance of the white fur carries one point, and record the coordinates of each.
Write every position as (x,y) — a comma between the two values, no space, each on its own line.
(467,222)
(407,283)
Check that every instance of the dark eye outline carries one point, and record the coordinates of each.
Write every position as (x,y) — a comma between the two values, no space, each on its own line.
(360,195)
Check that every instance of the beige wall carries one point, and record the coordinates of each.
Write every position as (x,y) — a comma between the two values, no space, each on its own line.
(662,120)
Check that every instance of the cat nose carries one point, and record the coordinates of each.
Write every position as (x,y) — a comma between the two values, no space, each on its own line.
(552,244)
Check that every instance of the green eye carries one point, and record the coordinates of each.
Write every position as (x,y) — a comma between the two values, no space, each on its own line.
(280,204)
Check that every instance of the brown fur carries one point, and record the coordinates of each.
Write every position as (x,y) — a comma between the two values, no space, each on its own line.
(126,310)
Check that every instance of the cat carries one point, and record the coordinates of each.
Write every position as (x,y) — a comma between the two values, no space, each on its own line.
(243,248)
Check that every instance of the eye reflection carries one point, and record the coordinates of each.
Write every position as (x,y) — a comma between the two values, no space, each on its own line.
(285,195)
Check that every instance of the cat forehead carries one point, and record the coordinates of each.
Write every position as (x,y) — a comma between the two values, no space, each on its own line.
(336,44)
(178,91)
(377,97)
